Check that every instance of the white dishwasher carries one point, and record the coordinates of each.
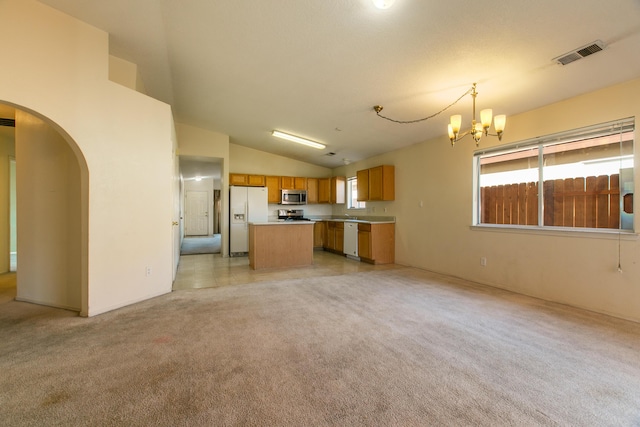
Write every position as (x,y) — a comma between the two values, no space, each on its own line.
(351,239)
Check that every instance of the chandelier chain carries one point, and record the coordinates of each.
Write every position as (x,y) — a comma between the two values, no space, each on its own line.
(428,117)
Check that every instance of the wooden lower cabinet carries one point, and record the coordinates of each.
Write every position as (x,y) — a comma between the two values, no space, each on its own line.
(334,236)
(319,233)
(339,237)
(364,241)
(280,245)
(376,243)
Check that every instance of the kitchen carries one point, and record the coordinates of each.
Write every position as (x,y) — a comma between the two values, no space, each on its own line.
(287,237)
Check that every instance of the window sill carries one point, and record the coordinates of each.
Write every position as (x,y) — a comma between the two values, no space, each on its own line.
(597,233)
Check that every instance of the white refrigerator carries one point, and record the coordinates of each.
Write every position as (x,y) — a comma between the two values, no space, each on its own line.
(246,204)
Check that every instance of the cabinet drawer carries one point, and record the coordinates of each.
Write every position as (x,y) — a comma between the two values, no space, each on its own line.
(364,227)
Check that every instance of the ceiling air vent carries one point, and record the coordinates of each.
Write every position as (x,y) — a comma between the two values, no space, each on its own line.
(580,53)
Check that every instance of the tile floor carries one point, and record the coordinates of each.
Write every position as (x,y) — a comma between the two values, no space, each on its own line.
(211,270)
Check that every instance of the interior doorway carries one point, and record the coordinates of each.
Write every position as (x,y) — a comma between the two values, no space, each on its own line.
(44,225)
(201,205)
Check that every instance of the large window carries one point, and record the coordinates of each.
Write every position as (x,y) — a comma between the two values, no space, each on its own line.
(577,179)
(352,194)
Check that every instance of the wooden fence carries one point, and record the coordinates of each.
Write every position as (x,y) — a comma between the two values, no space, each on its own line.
(592,202)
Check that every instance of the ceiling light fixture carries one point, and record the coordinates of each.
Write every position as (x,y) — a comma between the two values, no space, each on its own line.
(383,4)
(298,139)
(476,130)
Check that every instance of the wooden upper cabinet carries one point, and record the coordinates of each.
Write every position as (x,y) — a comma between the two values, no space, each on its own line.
(273,189)
(238,179)
(324,190)
(247,180)
(286,182)
(363,185)
(293,183)
(338,190)
(299,183)
(376,183)
(257,180)
(312,190)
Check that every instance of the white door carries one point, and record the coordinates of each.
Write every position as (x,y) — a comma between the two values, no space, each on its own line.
(197,213)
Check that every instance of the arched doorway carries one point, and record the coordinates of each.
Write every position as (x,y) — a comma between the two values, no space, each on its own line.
(52,214)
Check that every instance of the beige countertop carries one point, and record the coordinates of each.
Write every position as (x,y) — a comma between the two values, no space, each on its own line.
(283,223)
(368,220)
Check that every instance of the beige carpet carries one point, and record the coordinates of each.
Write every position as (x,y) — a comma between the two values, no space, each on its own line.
(392,348)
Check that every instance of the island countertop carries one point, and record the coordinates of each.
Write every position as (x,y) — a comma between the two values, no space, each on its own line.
(283,223)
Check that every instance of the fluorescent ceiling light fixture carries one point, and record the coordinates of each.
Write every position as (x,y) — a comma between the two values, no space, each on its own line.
(299,140)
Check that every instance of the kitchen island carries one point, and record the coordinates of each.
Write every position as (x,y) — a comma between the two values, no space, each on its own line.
(280,244)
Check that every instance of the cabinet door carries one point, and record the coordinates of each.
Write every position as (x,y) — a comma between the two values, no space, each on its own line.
(364,244)
(331,235)
(256,180)
(238,179)
(324,192)
(382,183)
(338,190)
(339,240)
(382,243)
(318,234)
(312,190)
(299,183)
(286,182)
(363,185)
(375,183)
(273,188)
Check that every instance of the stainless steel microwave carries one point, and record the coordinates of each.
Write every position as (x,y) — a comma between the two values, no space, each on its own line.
(293,197)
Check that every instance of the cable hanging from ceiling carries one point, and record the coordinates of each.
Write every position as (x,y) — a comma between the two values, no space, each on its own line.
(476,130)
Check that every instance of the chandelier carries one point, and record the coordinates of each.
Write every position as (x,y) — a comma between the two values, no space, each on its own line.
(477,129)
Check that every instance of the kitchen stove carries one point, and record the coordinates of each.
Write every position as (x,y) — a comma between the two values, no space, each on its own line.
(291,215)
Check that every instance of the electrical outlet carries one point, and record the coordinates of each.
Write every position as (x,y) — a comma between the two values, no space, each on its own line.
(483,261)
(148,271)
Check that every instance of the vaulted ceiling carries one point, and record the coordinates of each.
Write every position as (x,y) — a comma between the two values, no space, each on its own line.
(316,68)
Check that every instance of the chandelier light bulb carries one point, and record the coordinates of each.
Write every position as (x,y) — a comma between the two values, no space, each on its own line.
(485,118)
(499,122)
(456,122)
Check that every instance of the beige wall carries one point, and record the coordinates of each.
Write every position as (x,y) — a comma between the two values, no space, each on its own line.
(124,138)
(125,73)
(249,160)
(7,151)
(578,269)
